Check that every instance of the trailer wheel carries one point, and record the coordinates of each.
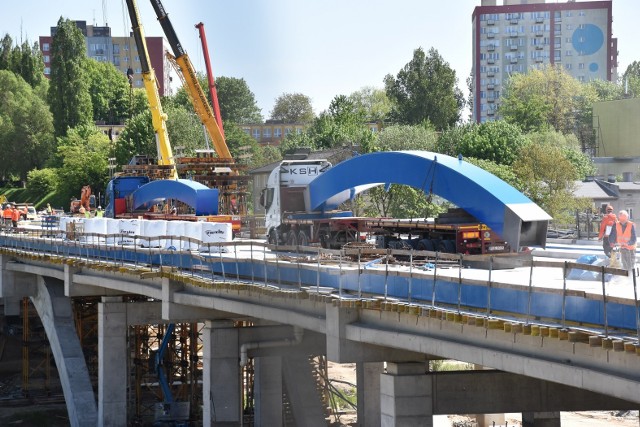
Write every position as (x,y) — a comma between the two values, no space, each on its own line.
(448,246)
(292,239)
(272,239)
(425,245)
(303,240)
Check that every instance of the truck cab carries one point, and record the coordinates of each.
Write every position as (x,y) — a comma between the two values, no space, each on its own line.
(286,192)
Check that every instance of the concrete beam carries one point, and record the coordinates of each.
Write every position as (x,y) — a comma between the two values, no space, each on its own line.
(489,392)
(341,349)
(368,389)
(18,285)
(301,387)
(112,362)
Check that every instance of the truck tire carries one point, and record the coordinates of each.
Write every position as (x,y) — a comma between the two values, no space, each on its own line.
(272,239)
(303,240)
(425,245)
(448,246)
(292,239)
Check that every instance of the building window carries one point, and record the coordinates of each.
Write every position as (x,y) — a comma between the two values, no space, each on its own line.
(45,47)
(277,132)
(568,53)
(256,133)
(138,70)
(125,59)
(116,61)
(126,47)
(247,130)
(557,28)
(287,131)
(46,59)
(582,13)
(266,132)
(569,27)
(568,67)
(298,131)
(47,70)
(567,14)
(137,58)
(116,49)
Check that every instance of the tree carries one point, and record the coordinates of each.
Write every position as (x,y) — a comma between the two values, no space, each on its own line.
(26,127)
(237,102)
(570,147)
(497,141)
(342,124)
(24,60)
(425,90)
(293,108)
(372,103)
(544,98)
(84,154)
(69,97)
(109,90)
(404,137)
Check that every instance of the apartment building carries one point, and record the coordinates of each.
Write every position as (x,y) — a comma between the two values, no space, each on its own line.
(120,51)
(518,35)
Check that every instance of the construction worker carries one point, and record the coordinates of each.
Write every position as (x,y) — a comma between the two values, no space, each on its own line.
(606,225)
(15,216)
(49,210)
(623,235)
(6,215)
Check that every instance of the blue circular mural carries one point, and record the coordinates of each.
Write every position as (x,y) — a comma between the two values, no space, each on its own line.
(588,40)
(593,67)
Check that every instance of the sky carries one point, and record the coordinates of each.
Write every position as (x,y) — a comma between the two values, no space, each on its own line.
(320,48)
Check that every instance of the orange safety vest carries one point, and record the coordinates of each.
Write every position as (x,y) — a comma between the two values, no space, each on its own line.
(15,215)
(623,238)
(6,214)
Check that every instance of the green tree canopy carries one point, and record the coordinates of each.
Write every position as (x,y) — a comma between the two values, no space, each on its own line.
(544,98)
(69,96)
(372,102)
(26,127)
(342,124)
(497,141)
(24,60)
(84,154)
(293,108)
(109,90)
(237,102)
(425,90)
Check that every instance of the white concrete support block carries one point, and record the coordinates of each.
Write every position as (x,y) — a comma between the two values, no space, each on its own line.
(406,396)
(268,391)
(368,389)
(221,388)
(112,362)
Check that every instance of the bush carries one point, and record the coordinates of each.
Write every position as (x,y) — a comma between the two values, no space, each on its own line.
(42,181)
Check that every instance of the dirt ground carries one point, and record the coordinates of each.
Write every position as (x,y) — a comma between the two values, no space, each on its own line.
(347,373)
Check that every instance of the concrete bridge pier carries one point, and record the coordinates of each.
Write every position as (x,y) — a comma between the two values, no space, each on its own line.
(368,390)
(112,362)
(406,395)
(221,388)
(541,419)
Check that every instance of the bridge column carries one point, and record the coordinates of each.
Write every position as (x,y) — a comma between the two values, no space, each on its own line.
(112,362)
(541,419)
(221,389)
(368,390)
(406,395)
(268,390)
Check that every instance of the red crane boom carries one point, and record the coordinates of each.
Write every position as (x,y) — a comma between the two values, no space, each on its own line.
(212,85)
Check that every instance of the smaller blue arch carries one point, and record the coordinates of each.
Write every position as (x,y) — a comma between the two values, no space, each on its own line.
(202,199)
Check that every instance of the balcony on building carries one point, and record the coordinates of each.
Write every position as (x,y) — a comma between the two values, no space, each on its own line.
(514,47)
(490,35)
(513,35)
(491,48)
(539,34)
(491,87)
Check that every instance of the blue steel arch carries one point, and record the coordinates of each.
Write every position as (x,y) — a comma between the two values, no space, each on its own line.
(202,199)
(482,194)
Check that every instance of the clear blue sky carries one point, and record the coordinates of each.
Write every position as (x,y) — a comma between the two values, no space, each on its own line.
(321,48)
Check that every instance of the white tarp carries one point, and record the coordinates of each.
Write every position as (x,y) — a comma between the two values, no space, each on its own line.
(151,230)
(215,232)
(175,229)
(96,226)
(192,230)
(129,228)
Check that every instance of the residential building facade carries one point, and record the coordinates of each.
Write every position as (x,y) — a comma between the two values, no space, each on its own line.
(120,51)
(272,132)
(519,35)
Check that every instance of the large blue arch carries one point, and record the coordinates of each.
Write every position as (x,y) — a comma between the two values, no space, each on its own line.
(202,199)
(488,198)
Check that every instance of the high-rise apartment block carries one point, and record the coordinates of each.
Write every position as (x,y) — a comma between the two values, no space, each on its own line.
(120,51)
(519,35)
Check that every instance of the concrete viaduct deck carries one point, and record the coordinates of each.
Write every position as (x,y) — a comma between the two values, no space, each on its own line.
(541,362)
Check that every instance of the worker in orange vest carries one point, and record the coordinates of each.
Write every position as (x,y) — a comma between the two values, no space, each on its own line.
(623,235)
(15,216)
(606,225)
(6,215)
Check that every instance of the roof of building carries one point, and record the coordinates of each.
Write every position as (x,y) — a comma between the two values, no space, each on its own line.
(591,190)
